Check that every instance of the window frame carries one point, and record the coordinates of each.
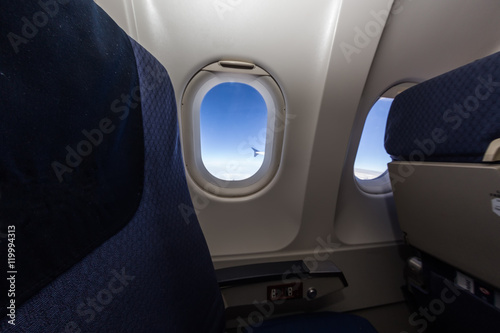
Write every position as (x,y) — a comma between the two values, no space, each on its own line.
(201,83)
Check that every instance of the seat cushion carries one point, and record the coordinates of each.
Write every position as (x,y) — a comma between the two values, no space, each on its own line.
(327,322)
(452,117)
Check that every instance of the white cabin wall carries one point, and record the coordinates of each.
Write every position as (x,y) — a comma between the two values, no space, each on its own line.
(298,42)
(187,35)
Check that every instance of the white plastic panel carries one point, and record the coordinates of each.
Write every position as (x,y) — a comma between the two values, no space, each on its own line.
(306,48)
(185,36)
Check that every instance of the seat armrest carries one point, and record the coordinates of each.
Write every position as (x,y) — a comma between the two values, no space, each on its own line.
(289,285)
(276,271)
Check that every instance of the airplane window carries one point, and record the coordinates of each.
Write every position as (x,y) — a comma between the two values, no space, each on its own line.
(371,158)
(233,127)
(233,121)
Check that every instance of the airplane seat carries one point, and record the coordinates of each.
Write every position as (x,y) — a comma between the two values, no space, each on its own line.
(91,179)
(442,136)
(94,197)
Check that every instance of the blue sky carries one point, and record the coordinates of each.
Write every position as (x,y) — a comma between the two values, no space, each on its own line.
(233,118)
(372,159)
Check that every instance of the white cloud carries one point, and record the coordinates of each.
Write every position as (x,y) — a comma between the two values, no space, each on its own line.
(234,169)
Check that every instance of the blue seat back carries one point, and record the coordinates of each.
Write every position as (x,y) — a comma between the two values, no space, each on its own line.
(449,118)
(135,263)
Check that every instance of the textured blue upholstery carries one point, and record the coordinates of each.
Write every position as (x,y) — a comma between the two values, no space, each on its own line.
(64,150)
(154,275)
(452,117)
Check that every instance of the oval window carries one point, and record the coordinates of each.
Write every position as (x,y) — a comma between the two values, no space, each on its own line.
(233,119)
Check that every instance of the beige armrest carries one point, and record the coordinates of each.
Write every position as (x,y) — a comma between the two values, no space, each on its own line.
(492,154)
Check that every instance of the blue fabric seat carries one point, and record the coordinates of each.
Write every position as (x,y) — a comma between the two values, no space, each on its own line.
(136,276)
(452,117)
(92,166)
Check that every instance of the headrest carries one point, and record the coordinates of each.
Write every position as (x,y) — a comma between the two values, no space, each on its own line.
(452,117)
